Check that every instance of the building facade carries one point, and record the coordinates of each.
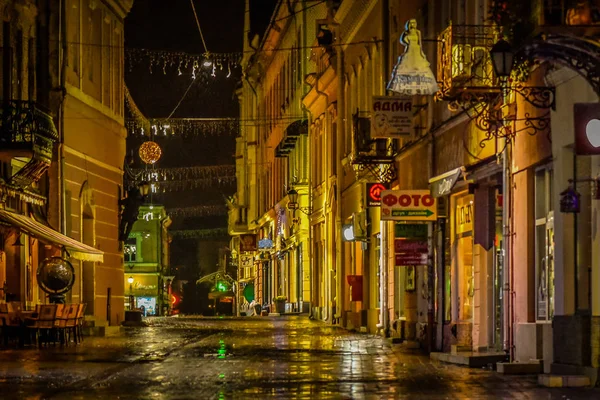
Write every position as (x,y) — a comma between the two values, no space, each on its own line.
(87,37)
(148,274)
(494,153)
(54,150)
(270,240)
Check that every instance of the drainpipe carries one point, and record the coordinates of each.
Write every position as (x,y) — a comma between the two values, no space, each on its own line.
(385,314)
(62,62)
(341,127)
(506,242)
(327,312)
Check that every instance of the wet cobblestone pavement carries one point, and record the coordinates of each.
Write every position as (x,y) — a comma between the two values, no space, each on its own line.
(253,358)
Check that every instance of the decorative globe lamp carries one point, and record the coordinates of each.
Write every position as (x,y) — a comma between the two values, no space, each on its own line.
(56,276)
(150,152)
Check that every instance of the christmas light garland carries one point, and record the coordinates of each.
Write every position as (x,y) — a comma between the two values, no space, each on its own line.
(183,126)
(191,184)
(197,64)
(184,173)
(200,233)
(198,211)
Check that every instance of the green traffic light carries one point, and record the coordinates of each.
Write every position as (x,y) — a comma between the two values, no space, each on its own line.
(221,287)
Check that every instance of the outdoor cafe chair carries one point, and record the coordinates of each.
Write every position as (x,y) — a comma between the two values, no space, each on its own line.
(60,323)
(43,324)
(79,322)
(69,320)
(10,321)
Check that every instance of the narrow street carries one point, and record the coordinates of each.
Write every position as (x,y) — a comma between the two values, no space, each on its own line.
(228,358)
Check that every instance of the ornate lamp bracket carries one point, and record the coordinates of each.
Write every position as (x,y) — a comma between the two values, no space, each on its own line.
(484,108)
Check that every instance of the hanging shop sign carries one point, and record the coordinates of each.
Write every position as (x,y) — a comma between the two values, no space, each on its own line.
(246,261)
(418,231)
(391,117)
(442,185)
(412,74)
(374,193)
(265,244)
(587,128)
(408,205)
(247,242)
(411,246)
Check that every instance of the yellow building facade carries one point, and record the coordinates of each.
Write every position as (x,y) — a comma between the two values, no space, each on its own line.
(88,173)
(498,277)
(270,240)
(63,175)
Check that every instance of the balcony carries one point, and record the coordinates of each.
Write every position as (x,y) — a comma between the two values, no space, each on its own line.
(238,219)
(560,13)
(26,131)
(463,61)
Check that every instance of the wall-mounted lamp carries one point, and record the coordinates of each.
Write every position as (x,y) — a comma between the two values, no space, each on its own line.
(348,232)
(502,58)
(569,200)
(293,203)
(18,242)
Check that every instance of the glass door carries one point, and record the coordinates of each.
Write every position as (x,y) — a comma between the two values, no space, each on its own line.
(544,245)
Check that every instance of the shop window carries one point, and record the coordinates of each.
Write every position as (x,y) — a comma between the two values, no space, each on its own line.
(544,245)
(464,256)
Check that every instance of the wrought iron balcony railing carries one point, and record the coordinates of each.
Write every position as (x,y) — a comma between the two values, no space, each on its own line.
(28,131)
(24,126)
(561,12)
(464,62)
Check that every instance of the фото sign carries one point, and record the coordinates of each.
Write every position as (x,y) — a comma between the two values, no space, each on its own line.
(374,193)
(391,117)
(408,205)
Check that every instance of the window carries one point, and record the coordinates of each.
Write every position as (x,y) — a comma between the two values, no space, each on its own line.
(131,250)
(544,245)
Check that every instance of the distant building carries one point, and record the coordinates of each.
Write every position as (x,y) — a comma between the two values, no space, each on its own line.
(146,258)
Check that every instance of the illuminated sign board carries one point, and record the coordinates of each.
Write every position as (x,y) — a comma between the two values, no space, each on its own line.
(374,193)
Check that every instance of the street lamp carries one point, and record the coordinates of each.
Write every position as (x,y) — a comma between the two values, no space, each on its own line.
(144,188)
(293,203)
(130,280)
(502,58)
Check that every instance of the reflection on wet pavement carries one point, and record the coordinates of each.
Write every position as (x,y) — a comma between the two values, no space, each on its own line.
(229,358)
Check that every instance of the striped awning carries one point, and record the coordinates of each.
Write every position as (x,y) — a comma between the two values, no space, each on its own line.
(46,234)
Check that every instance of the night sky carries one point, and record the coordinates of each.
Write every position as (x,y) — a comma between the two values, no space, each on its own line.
(170,26)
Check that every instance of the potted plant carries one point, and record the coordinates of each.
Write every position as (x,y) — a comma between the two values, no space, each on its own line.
(280,304)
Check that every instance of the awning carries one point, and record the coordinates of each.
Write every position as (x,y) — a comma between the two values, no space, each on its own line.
(442,185)
(46,234)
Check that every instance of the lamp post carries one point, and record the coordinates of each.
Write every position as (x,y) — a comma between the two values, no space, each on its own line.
(131,304)
(502,62)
